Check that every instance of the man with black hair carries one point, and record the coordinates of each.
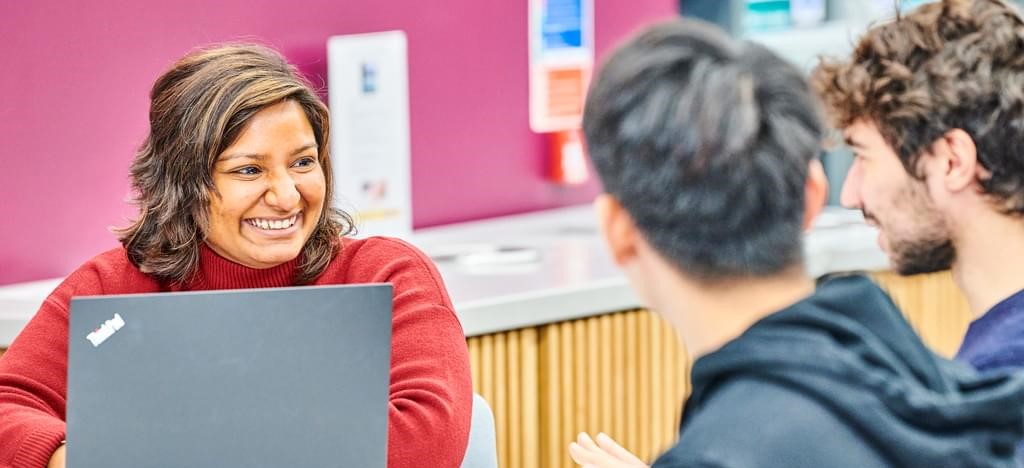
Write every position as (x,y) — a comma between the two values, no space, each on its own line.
(706,148)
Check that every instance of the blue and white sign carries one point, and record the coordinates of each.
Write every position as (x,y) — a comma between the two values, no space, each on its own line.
(561,61)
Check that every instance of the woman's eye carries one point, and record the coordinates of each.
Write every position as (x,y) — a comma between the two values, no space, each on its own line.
(248,171)
(305,162)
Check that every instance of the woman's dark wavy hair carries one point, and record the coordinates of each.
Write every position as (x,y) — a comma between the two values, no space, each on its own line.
(198,109)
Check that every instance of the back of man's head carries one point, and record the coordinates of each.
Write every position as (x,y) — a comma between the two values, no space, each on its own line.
(951,64)
(706,142)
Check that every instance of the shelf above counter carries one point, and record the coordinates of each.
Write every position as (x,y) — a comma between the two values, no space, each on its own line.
(803,46)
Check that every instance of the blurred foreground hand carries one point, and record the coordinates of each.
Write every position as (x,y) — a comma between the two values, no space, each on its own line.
(605,453)
(57,460)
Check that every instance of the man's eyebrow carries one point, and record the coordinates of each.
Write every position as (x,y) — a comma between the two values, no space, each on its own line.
(851,142)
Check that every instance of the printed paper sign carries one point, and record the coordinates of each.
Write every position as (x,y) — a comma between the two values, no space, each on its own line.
(561,61)
(368,94)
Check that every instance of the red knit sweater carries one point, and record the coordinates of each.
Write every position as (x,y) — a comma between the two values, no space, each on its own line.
(430,393)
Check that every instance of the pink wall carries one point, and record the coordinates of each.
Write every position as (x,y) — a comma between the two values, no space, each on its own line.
(75,79)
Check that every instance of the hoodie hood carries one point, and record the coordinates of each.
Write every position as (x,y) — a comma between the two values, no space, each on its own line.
(849,347)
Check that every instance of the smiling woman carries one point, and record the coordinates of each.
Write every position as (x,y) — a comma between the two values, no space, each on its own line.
(270,189)
(237,139)
(233,186)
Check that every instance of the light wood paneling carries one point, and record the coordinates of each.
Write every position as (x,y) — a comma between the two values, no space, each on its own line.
(514,424)
(475,361)
(618,376)
(626,374)
(581,373)
(933,306)
(550,395)
(500,402)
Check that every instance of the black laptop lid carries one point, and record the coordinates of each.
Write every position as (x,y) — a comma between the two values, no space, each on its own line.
(256,378)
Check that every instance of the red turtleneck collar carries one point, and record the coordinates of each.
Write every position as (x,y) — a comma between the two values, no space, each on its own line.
(216,272)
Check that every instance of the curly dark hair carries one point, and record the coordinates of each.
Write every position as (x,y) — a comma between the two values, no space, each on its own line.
(953,64)
(198,109)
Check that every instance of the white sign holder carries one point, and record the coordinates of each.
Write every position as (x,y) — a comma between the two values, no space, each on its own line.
(368,95)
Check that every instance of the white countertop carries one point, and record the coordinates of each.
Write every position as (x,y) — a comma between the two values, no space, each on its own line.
(553,268)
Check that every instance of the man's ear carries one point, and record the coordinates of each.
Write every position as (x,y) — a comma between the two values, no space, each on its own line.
(815,192)
(954,159)
(617,227)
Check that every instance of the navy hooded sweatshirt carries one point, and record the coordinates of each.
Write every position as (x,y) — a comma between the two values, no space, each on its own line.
(840,379)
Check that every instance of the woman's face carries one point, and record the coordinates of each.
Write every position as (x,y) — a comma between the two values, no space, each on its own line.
(270,187)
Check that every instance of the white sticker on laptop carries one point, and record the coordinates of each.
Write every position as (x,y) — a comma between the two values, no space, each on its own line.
(99,335)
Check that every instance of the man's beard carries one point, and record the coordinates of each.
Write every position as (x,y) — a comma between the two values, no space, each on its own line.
(928,246)
(926,254)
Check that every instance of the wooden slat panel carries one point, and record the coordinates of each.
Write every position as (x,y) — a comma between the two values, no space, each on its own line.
(474,362)
(551,391)
(682,381)
(513,427)
(672,392)
(933,306)
(655,399)
(594,373)
(487,368)
(500,402)
(531,422)
(630,439)
(566,403)
(606,366)
(642,404)
(618,374)
(581,365)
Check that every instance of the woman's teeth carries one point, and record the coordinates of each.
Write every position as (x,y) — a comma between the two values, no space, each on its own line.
(271,224)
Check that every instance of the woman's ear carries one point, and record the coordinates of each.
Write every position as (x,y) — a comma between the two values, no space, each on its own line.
(815,192)
(617,227)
